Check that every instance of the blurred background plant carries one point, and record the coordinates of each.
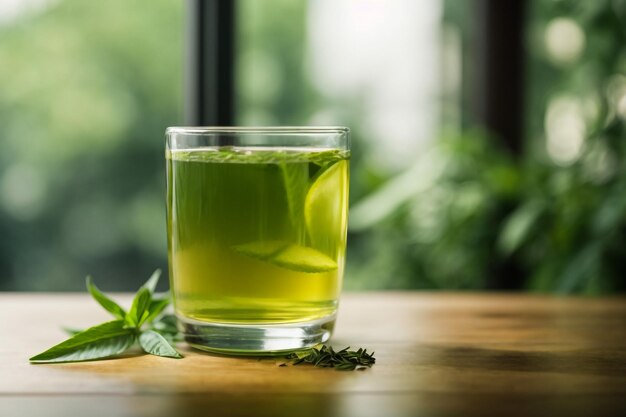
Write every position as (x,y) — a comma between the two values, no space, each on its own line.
(557,214)
(87,89)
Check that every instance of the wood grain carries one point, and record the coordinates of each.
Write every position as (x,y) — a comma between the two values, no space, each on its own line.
(437,355)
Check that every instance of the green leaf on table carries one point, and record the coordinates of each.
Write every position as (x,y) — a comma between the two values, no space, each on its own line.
(155,344)
(156,307)
(138,312)
(167,326)
(153,281)
(108,304)
(71,330)
(167,323)
(98,342)
(115,337)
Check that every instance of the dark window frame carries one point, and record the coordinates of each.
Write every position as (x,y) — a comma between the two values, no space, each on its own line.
(497,75)
(210,63)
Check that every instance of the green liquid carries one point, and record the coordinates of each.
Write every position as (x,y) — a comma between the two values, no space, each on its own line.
(255,235)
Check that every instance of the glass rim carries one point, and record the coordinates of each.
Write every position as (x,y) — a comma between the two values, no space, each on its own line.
(255,130)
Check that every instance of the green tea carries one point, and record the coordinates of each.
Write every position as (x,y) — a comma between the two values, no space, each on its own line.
(256,235)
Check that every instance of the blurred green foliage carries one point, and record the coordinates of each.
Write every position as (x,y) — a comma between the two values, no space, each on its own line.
(443,232)
(572,216)
(86,91)
(556,216)
(271,86)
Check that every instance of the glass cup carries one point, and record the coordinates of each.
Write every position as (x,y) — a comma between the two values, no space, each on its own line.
(256,223)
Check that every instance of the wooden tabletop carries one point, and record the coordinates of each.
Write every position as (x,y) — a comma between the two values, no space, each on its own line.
(437,355)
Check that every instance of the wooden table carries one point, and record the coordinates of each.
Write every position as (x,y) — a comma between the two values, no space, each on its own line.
(437,355)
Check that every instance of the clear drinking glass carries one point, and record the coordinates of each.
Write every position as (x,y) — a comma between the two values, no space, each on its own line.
(256,222)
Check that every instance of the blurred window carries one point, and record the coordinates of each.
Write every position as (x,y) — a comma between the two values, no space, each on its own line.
(373,65)
(86,91)
(390,70)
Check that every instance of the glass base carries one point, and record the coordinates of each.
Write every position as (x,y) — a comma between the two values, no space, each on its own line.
(262,339)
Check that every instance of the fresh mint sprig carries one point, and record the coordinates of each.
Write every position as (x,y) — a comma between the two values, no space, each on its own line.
(115,337)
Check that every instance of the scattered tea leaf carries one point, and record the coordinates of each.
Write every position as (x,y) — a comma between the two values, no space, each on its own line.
(325,357)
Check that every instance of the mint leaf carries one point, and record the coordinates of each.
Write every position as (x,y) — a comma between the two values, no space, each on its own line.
(153,281)
(155,344)
(143,308)
(71,330)
(167,326)
(114,337)
(108,304)
(156,307)
(102,341)
(138,312)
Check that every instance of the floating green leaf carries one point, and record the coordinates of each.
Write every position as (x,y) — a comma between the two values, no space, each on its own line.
(293,257)
(296,180)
